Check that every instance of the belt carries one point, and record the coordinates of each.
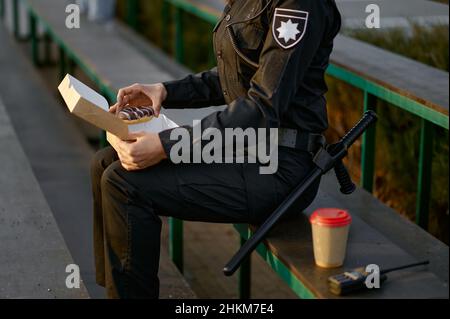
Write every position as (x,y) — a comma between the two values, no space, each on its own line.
(305,141)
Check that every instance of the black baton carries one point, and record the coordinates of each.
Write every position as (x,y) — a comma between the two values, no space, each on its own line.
(325,160)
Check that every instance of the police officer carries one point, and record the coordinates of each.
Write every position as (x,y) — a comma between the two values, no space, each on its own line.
(271,62)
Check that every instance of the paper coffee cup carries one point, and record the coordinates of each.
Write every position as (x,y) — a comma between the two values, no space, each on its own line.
(330,227)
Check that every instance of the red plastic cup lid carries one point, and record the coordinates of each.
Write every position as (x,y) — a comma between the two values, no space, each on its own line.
(331,217)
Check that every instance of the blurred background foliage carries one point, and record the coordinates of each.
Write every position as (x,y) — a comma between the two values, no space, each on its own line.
(428,45)
(397,132)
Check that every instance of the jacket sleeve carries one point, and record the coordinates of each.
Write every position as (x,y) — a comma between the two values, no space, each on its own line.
(277,79)
(195,91)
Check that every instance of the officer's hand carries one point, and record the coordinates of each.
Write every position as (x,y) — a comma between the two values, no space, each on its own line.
(142,151)
(141,95)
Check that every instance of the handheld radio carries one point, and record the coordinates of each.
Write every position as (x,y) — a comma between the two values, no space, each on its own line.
(355,280)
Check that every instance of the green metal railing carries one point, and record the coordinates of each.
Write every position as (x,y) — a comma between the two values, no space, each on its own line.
(68,60)
(132,13)
(373,92)
(15,12)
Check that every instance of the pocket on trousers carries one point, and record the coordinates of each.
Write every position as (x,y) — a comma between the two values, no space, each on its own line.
(263,193)
(214,196)
(215,203)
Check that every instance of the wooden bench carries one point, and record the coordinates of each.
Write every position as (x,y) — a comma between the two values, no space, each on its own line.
(378,235)
(68,191)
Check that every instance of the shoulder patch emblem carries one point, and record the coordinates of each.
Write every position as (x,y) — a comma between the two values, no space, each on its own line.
(289,27)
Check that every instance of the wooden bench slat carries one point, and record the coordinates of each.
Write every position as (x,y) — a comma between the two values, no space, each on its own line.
(102,50)
(109,53)
(418,81)
(291,243)
(404,233)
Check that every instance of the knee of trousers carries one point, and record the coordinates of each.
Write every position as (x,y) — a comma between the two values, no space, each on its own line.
(119,192)
(115,185)
(100,161)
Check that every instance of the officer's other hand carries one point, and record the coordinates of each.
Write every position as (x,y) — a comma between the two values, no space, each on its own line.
(141,95)
(141,151)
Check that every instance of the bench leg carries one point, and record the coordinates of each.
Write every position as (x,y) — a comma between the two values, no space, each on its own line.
(71,66)
(176,242)
(245,277)
(66,64)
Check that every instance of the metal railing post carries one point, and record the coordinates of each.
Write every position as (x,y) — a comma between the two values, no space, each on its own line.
(132,13)
(179,40)
(368,147)
(34,38)
(2,9)
(16,22)
(425,173)
(62,63)
(47,48)
(165,26)
(176,242)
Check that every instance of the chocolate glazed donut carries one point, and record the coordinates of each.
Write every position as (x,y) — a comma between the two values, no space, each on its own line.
(136,114)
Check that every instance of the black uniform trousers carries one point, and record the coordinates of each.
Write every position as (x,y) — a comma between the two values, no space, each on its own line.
(128,206)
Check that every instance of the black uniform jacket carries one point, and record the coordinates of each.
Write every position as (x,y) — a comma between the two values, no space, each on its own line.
(271,61)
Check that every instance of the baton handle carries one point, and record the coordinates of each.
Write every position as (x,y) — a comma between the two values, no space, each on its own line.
(344,179)
(369,118)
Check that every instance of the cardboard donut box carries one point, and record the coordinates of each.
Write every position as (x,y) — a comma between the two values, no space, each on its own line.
(92,107)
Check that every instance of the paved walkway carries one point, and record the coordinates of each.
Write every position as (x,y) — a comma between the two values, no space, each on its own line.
(33,254)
